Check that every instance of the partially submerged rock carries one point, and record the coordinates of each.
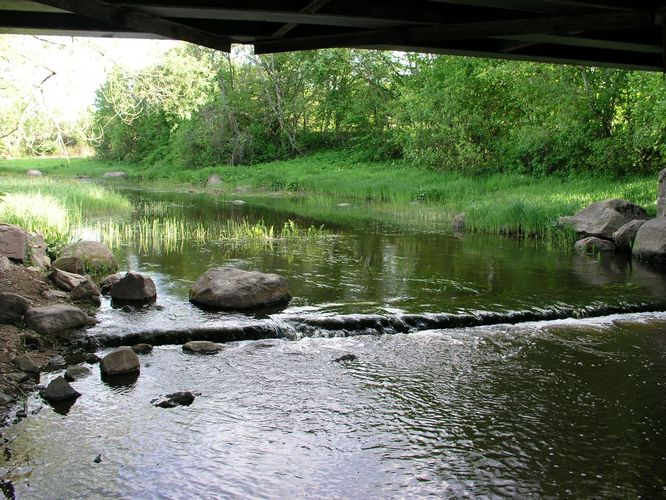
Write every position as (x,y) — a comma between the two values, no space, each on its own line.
(202,347)
(76,372)
(182,398)
(48,320)
(107,283)
(96,257)
(593,245)
(236,289)
(625,236)
(134,287)
(650,242)
(12,308)
(121,361)
(346,357)
(603,218)
(60,390)
(142,348)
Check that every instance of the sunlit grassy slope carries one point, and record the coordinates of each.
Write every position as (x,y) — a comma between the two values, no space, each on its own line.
(499,203)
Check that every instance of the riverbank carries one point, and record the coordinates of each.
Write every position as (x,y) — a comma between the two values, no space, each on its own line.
(494,204)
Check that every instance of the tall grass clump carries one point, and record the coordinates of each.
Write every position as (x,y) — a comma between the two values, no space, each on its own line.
(55,209)
(169,234)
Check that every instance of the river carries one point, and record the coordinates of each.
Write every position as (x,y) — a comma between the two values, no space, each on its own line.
(550,379)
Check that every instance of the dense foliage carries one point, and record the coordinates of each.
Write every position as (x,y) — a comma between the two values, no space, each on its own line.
(199,108)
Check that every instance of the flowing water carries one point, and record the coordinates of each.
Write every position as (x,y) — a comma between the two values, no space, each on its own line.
(566,407)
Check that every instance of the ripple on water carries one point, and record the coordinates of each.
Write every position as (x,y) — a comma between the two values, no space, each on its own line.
(540,409)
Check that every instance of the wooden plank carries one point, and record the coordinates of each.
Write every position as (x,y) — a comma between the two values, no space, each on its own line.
(578,41)
(123,19)
(310,8)
(269,16)
(462,31)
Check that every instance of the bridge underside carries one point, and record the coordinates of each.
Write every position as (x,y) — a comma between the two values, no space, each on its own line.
(615,33)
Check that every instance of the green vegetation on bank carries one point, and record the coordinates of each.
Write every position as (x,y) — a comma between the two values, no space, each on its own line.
(56,207)
(398,192)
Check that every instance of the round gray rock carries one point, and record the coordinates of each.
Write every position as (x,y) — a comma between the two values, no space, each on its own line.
(55,318)
(202,347)
(33,172)
(650,242)
(96,257)
(134,287)
(122,360)
(231,288)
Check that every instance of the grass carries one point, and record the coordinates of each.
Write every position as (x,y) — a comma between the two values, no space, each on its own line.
(394,191)
(169,234)
(56,208)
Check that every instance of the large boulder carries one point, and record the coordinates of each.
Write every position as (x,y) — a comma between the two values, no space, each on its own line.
(603,218)
(12,308)
(13,242)
(231,288)
(55,318)
(67,281)
(593,245)
(96,257)
(650,242)
(625,236)
(134,287)
(119,362)
(69,264)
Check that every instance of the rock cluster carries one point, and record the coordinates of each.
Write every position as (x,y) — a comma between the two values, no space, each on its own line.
(620,226)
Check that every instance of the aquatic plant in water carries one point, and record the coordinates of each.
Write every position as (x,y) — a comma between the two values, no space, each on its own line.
(169,234)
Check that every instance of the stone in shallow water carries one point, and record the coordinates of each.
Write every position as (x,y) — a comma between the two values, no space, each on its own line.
(593,245)
(76,372)
(650,242)
(182,398)
(202,347)
(603,218)
(236,289)
(134,287)
(60,390)
(142,348)
(121,361)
